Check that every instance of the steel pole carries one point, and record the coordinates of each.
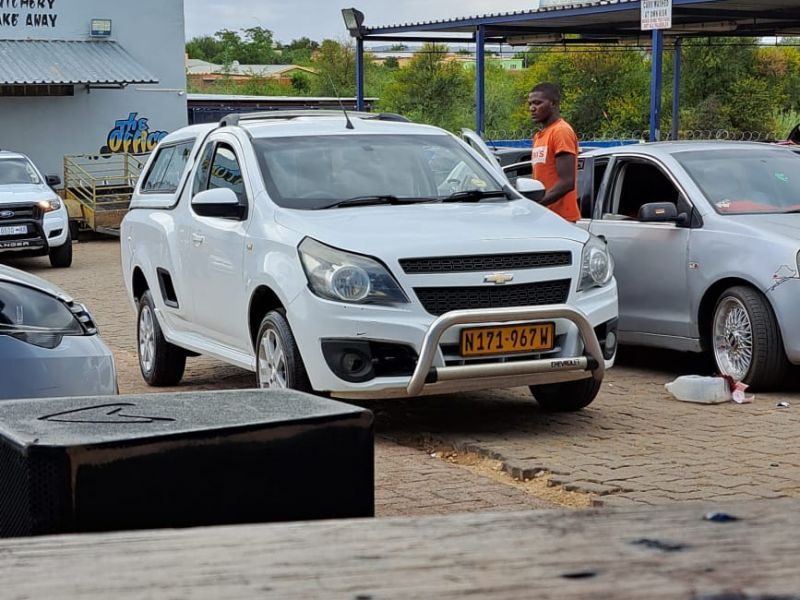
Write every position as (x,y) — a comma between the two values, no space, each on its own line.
(359,74)
(480,73)
(656,85)
(676,90)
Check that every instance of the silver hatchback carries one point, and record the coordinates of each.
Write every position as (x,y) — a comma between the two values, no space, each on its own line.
(49,345)
(705,237)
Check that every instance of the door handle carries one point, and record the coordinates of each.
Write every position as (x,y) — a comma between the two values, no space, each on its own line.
(198,239)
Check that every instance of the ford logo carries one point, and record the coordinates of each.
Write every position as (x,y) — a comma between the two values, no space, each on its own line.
(6,214)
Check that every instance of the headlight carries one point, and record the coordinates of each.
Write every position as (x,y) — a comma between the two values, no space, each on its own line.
(35,317)
(49,205)
(345,277)
(597,266)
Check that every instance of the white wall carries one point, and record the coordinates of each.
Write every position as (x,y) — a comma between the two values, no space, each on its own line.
(47,128)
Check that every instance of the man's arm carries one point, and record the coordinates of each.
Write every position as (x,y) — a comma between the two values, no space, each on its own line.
(565,167)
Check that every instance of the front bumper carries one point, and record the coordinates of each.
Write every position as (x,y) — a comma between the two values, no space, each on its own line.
(783,297)
(578,354)
(44,231)
(78,366)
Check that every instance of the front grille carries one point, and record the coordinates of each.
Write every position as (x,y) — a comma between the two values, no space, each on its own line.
(21,211)
(485,262)
(440,300)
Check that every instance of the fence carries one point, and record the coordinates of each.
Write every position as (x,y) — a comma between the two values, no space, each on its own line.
(522,138)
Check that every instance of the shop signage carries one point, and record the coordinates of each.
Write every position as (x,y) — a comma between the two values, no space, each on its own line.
(656,14)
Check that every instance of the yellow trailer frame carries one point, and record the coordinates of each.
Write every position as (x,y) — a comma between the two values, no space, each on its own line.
(98,188)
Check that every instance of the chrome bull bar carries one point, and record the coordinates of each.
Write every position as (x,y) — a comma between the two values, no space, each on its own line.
(426,373)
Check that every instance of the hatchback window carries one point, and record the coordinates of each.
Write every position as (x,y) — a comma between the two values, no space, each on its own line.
(746,181)
(18,171)
(315,172)
(165,173)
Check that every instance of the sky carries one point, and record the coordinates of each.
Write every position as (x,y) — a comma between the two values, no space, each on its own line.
(320,19)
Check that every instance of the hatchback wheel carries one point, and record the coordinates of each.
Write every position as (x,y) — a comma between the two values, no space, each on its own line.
(278,361)
(161,363)
(746,340)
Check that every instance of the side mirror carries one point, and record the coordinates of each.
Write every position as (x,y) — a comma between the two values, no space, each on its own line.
(532,189)
(52,180)
(218,202)
(662,212)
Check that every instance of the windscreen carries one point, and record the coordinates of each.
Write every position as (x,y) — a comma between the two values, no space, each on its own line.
(317,172)
(746,181)
(18,171)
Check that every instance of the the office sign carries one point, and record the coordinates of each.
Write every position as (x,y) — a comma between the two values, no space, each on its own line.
(656,14)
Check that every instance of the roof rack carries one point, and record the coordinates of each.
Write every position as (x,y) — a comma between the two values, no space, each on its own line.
(233,119)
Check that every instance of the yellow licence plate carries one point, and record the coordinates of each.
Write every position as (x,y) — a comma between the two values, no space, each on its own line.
(508,339)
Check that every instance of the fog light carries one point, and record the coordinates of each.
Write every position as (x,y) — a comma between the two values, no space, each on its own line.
(350,360)
(611,341)
(356,364)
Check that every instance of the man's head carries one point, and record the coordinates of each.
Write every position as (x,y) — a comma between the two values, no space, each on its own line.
(544,103)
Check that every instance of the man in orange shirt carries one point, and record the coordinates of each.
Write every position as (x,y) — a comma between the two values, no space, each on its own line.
(555,152)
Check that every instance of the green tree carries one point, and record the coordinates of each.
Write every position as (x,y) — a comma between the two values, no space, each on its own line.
(204,47)
(335,64)
(299,51)
(431,90)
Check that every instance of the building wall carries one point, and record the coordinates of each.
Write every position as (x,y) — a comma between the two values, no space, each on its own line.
(47,128)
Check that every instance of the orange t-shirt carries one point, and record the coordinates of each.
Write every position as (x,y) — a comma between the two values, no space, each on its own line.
(555,139)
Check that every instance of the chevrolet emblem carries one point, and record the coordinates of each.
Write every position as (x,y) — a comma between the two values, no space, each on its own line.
(498,278)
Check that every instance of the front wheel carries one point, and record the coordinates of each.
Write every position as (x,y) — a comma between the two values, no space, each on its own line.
(278,361)
(161,363)
(61,256)
(569,396)
(746,339)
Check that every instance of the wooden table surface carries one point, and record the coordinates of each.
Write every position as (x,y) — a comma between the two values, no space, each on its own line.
(664,552)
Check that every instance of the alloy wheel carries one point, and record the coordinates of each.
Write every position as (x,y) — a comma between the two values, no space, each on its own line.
(147,339)
(271,361)
(733,338)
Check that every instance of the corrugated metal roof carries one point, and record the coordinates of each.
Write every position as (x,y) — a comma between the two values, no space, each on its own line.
(58,62)
(753,18)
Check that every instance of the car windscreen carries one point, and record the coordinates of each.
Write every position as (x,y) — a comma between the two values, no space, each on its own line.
(16,171)
(746,180)
(318,172)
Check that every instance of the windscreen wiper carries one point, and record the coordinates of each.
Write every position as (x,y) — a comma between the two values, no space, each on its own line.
(474,195)
(376,200)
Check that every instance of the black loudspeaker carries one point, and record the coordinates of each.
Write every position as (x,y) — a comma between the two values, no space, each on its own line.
(182,460)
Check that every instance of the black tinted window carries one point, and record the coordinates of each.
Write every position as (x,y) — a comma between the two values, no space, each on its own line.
(226,172)
(201,175)
(165,172)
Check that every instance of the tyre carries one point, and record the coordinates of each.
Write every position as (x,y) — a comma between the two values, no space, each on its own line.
(278,361)
(61,256)
(74,231)
(746,341)
(568,396)
(161,363)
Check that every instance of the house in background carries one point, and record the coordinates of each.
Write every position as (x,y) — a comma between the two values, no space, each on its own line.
(202,75)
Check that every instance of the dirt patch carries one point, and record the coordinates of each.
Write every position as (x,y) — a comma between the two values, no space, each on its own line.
(538,487)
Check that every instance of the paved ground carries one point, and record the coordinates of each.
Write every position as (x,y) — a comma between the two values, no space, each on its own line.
(633,445)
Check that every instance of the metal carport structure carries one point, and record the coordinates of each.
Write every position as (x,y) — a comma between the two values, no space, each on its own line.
(607,21)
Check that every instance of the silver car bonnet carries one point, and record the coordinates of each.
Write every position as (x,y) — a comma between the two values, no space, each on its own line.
(21,277)
(774,227)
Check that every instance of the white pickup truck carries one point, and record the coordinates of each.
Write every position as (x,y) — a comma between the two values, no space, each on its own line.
(364,257)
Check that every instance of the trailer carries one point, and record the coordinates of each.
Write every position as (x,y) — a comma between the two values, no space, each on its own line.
(98,189)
